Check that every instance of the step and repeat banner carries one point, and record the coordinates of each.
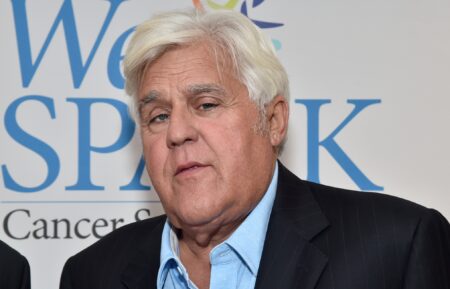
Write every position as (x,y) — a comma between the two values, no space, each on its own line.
(370,101)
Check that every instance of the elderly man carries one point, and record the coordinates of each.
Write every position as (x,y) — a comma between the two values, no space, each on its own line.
(14,269)
(212,104)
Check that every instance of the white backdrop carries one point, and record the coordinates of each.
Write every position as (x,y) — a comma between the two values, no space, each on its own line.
(370,93)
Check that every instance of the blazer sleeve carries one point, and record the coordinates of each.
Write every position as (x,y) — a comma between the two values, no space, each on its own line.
(429,260)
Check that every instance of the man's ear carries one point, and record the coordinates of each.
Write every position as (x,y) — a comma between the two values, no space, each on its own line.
(278,117)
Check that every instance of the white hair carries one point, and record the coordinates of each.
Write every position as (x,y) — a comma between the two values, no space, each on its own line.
(251,52)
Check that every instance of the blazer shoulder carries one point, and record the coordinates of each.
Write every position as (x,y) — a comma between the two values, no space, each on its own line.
(378,207)
(122,240)
(343,206)
(101,264)
(10,258)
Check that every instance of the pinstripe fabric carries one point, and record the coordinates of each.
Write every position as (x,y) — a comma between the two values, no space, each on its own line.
(343,239)
(318,237)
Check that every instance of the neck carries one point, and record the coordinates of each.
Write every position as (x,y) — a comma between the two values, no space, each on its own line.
(195,246)
(201,240)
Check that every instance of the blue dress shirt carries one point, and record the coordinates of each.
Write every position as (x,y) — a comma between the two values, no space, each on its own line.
(234,262)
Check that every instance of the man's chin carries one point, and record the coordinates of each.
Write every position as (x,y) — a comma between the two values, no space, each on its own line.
(197,221)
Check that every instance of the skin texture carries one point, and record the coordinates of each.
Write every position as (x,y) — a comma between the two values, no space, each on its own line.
(204,156)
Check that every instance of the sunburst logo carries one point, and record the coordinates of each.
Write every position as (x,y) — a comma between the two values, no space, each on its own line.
(244,9)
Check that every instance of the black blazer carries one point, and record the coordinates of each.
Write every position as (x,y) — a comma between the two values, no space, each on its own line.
(14,269)
(318,237)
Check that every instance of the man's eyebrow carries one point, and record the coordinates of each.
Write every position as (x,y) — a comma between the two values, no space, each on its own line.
(196,89)
(192,90)
(150,97)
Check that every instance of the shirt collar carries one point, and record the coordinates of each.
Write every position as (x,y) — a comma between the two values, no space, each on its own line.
(247,240)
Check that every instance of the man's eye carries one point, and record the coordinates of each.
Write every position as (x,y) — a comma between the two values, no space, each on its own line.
(159,118)
(208,106)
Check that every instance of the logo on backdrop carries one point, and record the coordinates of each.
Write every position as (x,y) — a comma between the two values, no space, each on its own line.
(78,69)
(244,9)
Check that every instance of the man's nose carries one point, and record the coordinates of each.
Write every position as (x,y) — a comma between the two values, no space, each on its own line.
(181,128)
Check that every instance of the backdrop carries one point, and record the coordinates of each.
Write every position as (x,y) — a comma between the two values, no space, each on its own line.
(369,107)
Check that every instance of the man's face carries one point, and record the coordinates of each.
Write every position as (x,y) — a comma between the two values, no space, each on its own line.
(204,155)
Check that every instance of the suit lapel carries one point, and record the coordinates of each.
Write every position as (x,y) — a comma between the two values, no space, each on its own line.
(289,260)
(142,270)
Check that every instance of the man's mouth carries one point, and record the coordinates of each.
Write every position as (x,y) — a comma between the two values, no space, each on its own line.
(190,166)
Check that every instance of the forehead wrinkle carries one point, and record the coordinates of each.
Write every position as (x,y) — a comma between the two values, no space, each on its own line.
(196,89)
(180,64)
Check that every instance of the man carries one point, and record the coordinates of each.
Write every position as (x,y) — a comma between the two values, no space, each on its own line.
(14,269)
(212,104)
